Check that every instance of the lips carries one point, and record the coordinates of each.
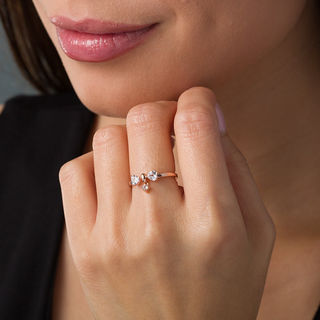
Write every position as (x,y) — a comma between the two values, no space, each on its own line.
(95,40)
(95,26)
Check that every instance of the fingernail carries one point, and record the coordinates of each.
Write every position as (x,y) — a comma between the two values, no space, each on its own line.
(173,140)
(221,121)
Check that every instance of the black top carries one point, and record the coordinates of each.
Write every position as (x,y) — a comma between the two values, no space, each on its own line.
(38,134)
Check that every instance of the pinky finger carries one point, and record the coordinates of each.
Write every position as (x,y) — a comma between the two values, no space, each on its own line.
(79,198)
(260,226)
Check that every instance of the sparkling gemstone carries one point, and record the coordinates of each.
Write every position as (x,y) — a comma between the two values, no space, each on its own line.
(146,186)
(135,180)
(153,175)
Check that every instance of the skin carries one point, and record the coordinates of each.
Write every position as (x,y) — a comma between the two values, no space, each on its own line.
(180,258)
(261,61)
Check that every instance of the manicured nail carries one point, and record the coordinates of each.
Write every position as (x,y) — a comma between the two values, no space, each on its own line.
(221,121)
(173,140)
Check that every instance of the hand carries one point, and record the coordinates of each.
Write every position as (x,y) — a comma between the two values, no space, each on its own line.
(195,252)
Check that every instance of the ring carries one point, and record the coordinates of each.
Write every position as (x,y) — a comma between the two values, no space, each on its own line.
(152,175)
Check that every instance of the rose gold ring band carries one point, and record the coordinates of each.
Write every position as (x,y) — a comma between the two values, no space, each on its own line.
(152,175)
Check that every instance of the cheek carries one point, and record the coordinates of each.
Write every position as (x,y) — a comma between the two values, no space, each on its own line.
(247,31)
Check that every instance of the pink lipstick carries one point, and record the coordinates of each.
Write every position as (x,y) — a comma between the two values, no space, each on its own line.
(96,41)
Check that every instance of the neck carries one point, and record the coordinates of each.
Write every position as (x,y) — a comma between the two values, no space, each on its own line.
(272,112)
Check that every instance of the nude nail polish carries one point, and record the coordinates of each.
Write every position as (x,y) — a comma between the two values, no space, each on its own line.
(221,121)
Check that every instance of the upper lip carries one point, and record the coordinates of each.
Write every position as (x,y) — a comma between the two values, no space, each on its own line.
(95,26)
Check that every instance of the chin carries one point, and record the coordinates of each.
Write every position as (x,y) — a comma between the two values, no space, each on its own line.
(106,95)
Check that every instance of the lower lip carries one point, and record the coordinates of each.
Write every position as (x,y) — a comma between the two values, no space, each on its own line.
(99,47)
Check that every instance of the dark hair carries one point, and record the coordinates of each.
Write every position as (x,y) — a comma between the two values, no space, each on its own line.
(33,50)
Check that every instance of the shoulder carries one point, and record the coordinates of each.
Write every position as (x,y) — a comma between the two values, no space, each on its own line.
(1,108)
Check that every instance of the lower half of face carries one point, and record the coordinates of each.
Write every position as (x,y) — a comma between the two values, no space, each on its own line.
(194,43)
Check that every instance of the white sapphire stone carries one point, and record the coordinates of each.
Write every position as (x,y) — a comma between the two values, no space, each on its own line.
(146,186)
(135,180)
(153,175)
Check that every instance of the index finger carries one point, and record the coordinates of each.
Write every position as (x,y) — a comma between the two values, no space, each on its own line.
(201,157)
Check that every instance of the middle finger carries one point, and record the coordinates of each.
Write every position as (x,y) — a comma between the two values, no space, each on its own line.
(149,126)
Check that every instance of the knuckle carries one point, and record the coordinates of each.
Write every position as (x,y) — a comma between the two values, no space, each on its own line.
(107,135)
(68,171)
(193,121)
(198,90)
(73,169)
(213,242)
(144,116)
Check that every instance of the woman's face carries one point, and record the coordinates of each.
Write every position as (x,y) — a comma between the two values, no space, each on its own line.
(197,42)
